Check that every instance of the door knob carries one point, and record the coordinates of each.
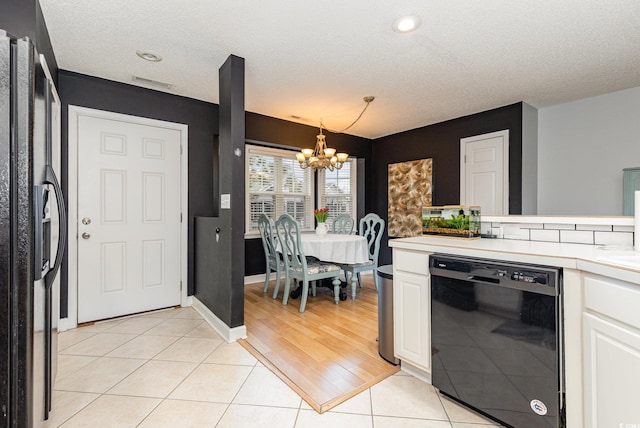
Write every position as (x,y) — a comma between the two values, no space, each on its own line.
(86,235)
(86,221)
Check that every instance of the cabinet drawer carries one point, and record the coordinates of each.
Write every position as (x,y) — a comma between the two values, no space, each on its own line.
(411,261)
(615,299)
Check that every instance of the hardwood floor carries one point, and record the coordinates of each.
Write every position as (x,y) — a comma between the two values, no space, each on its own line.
(327,354)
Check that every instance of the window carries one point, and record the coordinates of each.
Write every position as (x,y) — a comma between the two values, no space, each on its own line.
(275,185)
(337,190)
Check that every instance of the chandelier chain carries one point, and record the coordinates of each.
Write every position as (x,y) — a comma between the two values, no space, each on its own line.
(367,100)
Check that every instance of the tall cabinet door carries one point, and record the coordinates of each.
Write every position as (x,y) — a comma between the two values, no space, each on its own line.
(412,319)
(611,375)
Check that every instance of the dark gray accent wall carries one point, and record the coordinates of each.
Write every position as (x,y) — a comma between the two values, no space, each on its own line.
(220,240)
(441,142)
(23,18)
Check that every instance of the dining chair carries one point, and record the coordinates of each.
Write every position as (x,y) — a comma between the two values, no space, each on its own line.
(371,227)
(343,224)
(273,259)
(298,267)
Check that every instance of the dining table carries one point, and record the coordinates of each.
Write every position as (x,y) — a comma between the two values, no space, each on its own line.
(335,247)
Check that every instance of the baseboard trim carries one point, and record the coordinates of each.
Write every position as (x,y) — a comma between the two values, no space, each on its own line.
(227,333)
(415,371)
(65,324)
(252,279)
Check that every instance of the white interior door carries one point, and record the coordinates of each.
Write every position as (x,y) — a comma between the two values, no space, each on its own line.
(129,232)
(484,172)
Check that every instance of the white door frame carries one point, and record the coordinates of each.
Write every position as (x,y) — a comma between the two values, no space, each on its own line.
(75,113)
(505,165)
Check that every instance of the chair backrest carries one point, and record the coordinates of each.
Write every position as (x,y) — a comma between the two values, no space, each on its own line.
(343,224)
(372,227)
(266,226)
(289,236)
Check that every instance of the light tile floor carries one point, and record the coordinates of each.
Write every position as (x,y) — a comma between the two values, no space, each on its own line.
(170,369)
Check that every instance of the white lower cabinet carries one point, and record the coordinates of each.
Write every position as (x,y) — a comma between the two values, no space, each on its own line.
(611,346)
(412,330)
(411,309)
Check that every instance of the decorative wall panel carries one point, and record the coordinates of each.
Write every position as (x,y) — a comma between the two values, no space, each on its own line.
(410,189)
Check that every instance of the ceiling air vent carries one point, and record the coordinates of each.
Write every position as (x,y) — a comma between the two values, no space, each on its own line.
(150,82)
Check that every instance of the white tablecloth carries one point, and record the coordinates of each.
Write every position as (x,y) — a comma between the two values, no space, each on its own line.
(336,248)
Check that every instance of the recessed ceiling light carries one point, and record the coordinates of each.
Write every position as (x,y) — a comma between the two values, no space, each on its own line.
(149,56)
(406,24)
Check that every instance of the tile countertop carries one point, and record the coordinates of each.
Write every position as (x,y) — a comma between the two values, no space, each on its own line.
(571,256)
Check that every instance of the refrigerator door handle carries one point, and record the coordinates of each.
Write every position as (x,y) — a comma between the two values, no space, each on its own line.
(50,178)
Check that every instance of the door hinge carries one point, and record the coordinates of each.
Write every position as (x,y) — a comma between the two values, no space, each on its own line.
(180,285)
(180,149)
(180,217)
(465,158)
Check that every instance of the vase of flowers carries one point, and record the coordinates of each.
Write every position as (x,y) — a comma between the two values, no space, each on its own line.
(321,218)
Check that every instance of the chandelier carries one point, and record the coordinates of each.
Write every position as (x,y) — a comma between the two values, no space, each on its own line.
(321,156)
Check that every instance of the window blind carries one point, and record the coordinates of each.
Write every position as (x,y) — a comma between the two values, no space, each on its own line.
(275,185)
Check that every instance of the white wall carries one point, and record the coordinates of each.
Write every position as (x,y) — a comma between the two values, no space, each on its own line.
(529,159)
(582,148)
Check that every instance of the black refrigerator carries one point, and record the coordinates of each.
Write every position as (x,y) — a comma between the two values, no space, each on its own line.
(32,233)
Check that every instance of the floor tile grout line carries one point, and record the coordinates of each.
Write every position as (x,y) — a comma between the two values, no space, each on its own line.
(97,396)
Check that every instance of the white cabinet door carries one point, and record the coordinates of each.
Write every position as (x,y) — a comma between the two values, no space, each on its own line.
(412,330)
(611,374)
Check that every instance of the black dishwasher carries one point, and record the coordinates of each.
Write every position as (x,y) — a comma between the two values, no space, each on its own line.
(497,338)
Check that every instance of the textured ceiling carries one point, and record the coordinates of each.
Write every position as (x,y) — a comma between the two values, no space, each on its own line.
(317,58)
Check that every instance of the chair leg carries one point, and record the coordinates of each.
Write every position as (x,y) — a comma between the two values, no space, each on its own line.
(305,291)
(285,297)
(354,285)
(336,289)
(266,280)
(313,288)
(360,281)
(277,286)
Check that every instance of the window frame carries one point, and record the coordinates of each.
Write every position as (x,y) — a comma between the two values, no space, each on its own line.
(282,154)
(353,181)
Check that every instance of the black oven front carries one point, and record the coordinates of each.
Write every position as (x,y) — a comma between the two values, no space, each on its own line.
(497,344)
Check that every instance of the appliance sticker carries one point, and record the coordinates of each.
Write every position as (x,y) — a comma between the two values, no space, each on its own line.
(538,407)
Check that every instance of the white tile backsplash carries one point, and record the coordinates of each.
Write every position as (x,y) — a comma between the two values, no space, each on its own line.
(558,226)
(623,228)
(577,236)
(545,235)
(533,226)
(485,227)
(614,238)
(579,233)
(594,227)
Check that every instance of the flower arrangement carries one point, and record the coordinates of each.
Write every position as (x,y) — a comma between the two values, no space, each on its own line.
(321,214)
